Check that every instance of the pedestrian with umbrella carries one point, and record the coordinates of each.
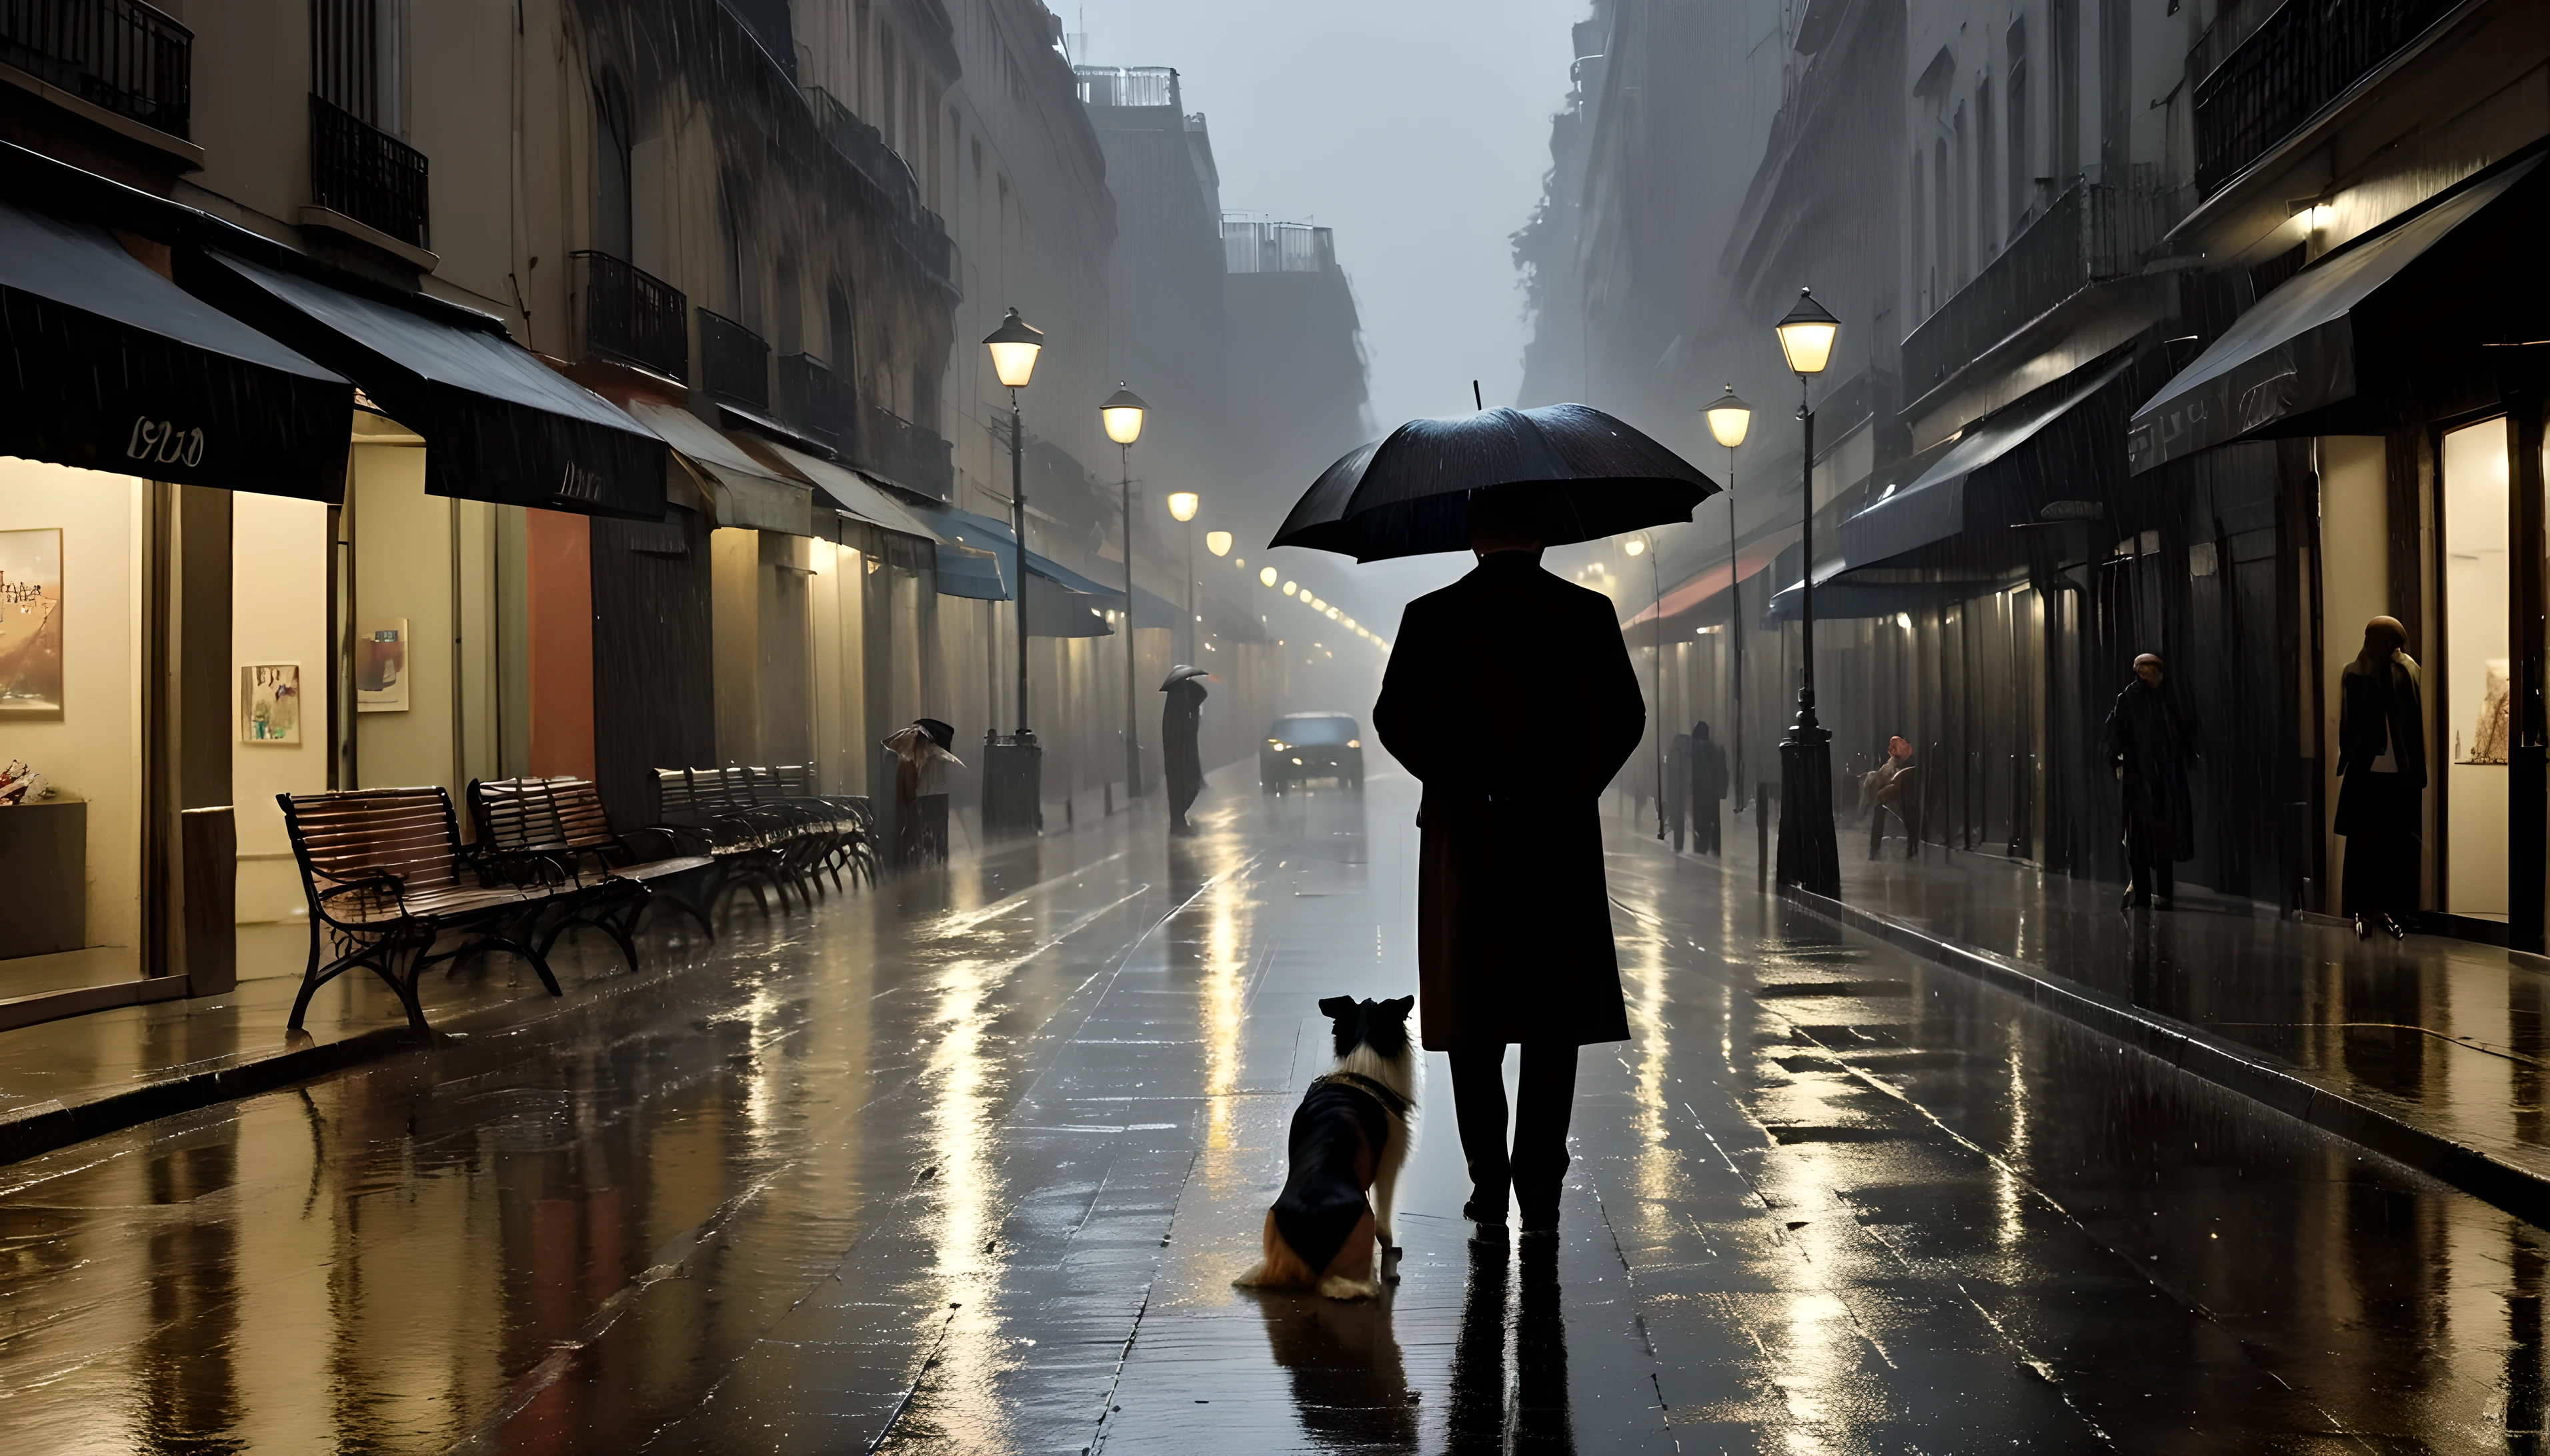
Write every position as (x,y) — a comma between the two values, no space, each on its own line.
(921,755)
(1181,718)
(1510,695)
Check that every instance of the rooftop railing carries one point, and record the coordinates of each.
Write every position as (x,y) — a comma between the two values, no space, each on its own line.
(1128,85)
(365,173)
(2266,84)
(1252,246)
(630,315)
(120,55)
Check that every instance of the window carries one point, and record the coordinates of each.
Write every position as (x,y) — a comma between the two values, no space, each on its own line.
(2019,189)
(1984,168)
(354,58)
(1943,223)
(2063,23)
(1918,234)
(612,136)
(1965,190)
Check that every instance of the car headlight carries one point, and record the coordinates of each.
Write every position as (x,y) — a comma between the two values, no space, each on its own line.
(1296,763)
(1355,742)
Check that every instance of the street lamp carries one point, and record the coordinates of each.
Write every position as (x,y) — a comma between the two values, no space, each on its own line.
(1182,507)
(1809,857)
(1729,418)
(1122,415)
(1013,788)
(1218,543)
(1266,577)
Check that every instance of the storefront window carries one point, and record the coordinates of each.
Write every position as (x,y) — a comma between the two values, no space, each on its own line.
(2474,669)
(71,641)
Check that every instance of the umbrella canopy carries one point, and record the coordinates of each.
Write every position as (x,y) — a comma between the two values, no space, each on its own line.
(1181,673)
(1571,472)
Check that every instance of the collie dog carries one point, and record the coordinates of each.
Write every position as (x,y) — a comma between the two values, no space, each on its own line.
(1350,1135)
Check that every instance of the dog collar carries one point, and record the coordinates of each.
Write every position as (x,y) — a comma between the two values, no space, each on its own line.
(1390,1101)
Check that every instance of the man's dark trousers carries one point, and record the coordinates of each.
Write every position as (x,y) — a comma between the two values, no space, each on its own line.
(1545,1096)
(1705,828)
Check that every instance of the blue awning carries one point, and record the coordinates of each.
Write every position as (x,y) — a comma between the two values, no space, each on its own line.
(983,533)
(967,572)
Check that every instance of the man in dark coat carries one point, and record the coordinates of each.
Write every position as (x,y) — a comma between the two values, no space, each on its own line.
(1511,695)
(2151,739)
(1708,790)
(1181,718)
(1676,800)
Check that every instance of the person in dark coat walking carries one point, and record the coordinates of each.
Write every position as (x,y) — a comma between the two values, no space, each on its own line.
(1708,790)
(1510,695)
(2382,783)
(2151,738)
(1181,718)
(1676,800)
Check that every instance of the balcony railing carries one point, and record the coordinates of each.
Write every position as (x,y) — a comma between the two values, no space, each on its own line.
(367,174)
(1253,246)
(919,230)
(735,362)
(2291,63)
(1128,85)
(814,398)
(2089,233)
(121,54)
(903,453)
(630,315)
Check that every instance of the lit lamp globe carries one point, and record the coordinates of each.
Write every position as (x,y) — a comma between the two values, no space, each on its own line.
(1183,504)
(1266,577)
(1290,587)
(1014,348)
(1729,417)
(1122,415)
(1218,543)
(1637,545)
(1806,336)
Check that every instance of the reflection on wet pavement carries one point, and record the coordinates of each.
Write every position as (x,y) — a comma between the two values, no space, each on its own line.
(967,1165)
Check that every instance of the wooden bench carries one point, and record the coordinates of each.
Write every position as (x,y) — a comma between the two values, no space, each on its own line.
(617,875)
(765,833)
(393,890)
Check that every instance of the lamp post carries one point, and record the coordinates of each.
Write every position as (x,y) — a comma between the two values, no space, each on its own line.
(1182,506)
(1011,782)
(1809,857)
(1729,418)
(1121,415)
(1643,544)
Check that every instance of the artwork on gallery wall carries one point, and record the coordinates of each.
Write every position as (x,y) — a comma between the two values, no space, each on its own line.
(270,703)
(380,666)
(31,623)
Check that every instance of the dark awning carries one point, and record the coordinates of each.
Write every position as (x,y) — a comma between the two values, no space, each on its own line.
(2352,323)
(743,492)
(107,365)
(964,571)
(497,425)
(1933,507)
(1060,602)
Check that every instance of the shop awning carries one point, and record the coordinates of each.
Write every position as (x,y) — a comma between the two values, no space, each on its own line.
(1837,601)
(106,365)
(849,493)
(964,571)
(1932,507)
(2301,350)
(743,491)
(1060,602)
(497,425)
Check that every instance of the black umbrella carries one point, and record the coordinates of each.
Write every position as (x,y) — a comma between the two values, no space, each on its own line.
(1574,473)
(1181,672)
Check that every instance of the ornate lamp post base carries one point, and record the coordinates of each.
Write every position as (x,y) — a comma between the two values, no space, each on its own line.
(1810,856)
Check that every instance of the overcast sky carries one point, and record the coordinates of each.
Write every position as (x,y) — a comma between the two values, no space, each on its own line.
(1418,128)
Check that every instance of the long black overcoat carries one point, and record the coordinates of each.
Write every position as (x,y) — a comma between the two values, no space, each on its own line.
(1509,694)
(2152,734)
(1181,718)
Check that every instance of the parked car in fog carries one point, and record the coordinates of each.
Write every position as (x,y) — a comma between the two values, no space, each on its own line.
(1301,747)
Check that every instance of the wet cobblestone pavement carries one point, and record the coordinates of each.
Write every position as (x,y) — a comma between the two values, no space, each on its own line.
(966,1165)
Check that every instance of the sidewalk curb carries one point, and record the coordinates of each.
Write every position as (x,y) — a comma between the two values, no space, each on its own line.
(2198,1052)
(47,1127)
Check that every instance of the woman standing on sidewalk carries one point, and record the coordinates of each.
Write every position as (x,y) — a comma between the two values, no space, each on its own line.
(2381,769)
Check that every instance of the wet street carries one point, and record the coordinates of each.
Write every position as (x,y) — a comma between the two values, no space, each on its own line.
(967,1165)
